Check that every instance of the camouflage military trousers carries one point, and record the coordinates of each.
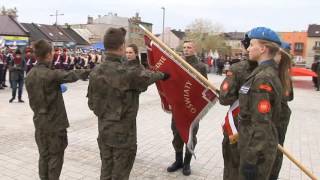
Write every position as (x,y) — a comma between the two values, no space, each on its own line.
(177,141)
(51,147)
(282,130)
(231,159)
(116,163)
(265,159)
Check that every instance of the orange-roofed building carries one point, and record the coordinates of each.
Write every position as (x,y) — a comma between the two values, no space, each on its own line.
(298,41)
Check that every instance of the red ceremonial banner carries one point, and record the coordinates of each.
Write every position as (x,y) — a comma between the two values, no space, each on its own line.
(182,94)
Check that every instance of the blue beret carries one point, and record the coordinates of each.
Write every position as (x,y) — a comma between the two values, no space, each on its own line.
(285,46)
(264,33)
(63,88)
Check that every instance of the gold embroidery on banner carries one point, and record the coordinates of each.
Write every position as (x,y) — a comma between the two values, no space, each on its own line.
(186,97)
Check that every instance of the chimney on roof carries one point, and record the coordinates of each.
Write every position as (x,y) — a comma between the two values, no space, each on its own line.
(90,20)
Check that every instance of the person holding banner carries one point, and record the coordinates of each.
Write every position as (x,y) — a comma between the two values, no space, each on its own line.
(260,107)
(189,52)
(115,103)
(229,96)
(283,59)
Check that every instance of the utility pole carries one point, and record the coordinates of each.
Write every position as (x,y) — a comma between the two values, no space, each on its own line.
(56,15)
(163,16)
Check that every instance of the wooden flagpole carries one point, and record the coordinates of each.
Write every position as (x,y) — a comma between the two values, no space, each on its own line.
(179,58)
(297,163)
(209,85)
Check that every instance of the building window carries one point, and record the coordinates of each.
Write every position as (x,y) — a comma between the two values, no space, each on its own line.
(298,46)
(317,44)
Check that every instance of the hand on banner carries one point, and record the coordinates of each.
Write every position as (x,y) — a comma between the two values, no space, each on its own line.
(166,76)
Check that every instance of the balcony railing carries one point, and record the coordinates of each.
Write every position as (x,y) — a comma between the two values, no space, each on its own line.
(298,50)
(316,48)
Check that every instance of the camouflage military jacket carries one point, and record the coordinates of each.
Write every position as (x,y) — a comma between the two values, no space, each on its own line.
(285,109)
(198,65)
(260,107)
(235,78)
(45,97)
(230,86)
(112,97)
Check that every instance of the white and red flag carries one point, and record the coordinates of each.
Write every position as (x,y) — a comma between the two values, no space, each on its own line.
(229,126)
(186,97)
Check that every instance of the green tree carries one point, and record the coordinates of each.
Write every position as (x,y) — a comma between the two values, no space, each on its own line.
(206,36)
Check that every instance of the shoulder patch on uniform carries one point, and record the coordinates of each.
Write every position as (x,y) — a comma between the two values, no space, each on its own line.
(265,87)
(229,73)
(264,106)
(225,86)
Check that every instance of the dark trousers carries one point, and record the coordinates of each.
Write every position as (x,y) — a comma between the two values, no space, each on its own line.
(177,141)
(1,74)
(116,163)
(315,81)
(51,150)
(17,84)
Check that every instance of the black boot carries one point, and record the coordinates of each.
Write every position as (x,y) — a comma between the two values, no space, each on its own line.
(10,101)
(177,164)
(186,164)
(20,100)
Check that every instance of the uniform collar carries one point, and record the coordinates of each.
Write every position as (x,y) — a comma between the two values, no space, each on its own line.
(263,65)
(133,62)
(191,59)
(43,64)
(113,57)
(266,62)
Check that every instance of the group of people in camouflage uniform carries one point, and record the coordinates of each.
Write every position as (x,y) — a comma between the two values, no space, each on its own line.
(261,84)
(113,96)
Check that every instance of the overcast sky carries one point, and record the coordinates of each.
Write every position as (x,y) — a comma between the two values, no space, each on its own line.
(234,15)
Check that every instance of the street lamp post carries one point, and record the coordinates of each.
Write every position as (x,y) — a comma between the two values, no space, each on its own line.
(163,16)
(56,15)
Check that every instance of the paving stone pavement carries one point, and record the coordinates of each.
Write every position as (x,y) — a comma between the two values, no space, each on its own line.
(19,155)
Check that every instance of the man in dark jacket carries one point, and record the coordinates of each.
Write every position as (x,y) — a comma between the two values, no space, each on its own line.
(17,68)
(189,52)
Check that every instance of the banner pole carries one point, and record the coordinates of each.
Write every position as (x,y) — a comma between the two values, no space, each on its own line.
(297,163)
(179,58)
